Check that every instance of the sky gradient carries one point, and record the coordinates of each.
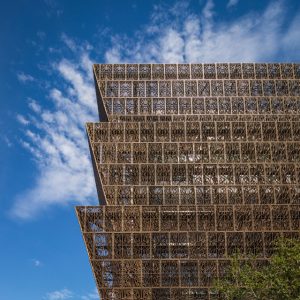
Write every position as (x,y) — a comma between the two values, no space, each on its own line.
(47,94)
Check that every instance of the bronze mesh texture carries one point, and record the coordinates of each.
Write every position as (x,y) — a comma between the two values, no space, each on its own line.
(193,163)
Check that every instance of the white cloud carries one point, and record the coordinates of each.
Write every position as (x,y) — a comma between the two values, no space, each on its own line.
(67,294)
(57,142)
(22,119)
(232,3)
(69,42)
(74,45)
(22,77)
(291,38)
(91,296)
(189,37)
(59,295)
(34,105)
(55,135)
(113,55)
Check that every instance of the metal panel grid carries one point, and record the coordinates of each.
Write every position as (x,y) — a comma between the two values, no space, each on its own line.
(196,162)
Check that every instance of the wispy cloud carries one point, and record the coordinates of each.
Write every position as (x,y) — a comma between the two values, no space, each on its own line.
(22,119)
(55,135)
(56,139)
(232,3)
(91,296)
(69,42)
(34,105)
(59,295)
(190,37)
(74,45)
(22,77)
(67,294)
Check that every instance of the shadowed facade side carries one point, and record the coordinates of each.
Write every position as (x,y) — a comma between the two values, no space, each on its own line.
(193,163)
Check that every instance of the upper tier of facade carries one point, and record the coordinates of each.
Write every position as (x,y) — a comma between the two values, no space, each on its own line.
(197,71)
(137,90)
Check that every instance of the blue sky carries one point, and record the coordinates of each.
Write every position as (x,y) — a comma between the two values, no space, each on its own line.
(47,94)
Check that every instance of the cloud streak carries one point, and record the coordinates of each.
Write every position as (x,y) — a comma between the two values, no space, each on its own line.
(68,294)
(59,295)
(91,296)
(22,77)
(55,135)
(232,3)
(173,38)
(56,139)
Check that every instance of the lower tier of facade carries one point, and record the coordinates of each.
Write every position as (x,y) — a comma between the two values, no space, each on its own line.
(176,252)
(159,293)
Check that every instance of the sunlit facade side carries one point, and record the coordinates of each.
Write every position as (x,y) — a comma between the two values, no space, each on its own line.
(193,163)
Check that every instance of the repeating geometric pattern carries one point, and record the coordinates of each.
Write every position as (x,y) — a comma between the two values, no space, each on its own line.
(193,163)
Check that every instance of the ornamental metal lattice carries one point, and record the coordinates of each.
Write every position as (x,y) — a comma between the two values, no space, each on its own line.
(193,163)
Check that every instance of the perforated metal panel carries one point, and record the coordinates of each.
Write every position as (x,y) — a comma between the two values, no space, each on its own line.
(193,163)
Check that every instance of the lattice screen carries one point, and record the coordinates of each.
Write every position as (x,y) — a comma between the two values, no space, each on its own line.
(192,163)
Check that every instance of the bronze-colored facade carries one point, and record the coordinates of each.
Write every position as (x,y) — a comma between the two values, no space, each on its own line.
(193,162)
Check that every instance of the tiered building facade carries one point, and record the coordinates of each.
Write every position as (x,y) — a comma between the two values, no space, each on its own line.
(193,163)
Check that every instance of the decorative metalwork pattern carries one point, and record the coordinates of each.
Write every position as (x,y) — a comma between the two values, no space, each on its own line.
(261,86)
(197,162)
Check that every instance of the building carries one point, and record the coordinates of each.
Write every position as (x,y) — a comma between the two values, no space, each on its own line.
(193,162)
